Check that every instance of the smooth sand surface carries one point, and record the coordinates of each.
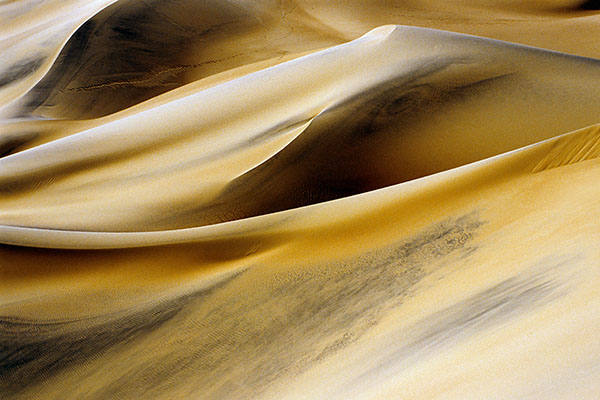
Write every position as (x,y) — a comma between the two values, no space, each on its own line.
(299,199)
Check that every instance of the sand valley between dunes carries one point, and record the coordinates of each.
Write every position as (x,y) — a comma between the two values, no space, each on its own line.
(207,199)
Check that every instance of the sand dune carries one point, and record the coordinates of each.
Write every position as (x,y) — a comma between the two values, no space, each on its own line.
(297,199)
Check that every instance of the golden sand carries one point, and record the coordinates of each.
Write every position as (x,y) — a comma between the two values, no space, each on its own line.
(299,199)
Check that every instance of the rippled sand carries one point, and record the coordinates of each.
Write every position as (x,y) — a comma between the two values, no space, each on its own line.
(299,199)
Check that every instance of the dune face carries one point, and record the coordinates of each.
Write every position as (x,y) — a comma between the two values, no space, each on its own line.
(299,199)
(144,48)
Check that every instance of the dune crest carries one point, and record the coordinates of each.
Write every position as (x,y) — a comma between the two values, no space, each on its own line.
(299,200)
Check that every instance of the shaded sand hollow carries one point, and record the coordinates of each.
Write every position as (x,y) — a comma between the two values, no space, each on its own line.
(299,199)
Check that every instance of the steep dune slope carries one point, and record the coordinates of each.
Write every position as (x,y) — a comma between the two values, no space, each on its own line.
(397,104)
(299,200)
(375,293)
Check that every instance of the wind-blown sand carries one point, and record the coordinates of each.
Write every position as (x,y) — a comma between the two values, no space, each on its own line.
(298,199)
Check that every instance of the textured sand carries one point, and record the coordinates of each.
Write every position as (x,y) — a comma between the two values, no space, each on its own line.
(299,199)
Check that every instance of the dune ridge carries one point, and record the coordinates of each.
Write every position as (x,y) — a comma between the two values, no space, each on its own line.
(299,199)
(288,151)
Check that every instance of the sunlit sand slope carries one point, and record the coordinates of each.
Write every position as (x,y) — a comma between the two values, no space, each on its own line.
(397,104)
(298,200)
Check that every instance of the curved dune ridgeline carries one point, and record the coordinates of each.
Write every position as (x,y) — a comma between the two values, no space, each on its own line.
(299,200)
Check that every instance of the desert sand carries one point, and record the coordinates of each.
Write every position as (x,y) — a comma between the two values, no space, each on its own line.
(299,199)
